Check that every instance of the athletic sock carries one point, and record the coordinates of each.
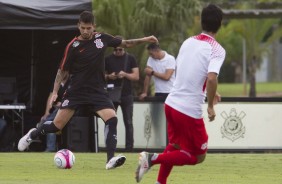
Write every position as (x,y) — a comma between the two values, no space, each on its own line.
(178,157)
(111,137)
(47,127)
(165,169)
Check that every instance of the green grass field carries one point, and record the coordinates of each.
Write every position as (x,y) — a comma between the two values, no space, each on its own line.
(263,89)
(38,168)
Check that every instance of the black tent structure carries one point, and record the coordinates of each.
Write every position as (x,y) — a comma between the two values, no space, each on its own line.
(33,35)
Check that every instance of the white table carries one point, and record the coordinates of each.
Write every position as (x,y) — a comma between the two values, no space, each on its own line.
(17,113)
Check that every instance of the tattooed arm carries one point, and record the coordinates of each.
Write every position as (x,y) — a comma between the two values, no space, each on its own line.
(61,76)
(133,42)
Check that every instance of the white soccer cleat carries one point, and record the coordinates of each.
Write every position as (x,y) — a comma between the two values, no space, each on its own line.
(144,165)
(115,162)
(25,141)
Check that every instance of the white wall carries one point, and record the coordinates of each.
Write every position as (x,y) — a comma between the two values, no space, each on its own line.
(237,126)
(149,127)
(246,126)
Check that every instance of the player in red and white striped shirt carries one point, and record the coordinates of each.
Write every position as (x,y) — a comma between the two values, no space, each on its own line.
(198,64)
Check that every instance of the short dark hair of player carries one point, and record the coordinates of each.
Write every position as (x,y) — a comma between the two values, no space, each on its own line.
(86,17)
(211,18)
(153,46)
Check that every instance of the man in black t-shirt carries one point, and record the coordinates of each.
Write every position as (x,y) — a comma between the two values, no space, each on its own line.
(121,68)
(83,62)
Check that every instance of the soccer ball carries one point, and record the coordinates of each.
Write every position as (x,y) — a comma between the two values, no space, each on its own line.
(64,159)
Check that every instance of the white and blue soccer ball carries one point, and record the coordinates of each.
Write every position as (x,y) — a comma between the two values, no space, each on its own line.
(64,159)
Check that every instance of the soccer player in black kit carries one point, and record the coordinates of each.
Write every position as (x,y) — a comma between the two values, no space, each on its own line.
(83,62)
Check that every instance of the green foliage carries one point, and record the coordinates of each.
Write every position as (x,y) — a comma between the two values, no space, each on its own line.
(115,17)
(232,42)
(168,20)
(35,168)
(263,89)
(254,32)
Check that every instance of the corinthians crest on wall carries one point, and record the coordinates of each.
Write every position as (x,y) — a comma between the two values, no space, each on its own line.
(233,127)
(147,125)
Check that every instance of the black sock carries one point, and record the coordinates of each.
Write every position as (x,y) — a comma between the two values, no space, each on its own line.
(47,127)
(111,137)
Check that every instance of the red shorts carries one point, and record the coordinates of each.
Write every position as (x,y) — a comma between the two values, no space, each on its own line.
(189,133)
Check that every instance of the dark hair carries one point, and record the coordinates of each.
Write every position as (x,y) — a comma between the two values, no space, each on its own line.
(153,46)
(86,17)
(211,18)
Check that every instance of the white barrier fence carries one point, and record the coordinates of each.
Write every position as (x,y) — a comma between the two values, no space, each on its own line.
(238,125)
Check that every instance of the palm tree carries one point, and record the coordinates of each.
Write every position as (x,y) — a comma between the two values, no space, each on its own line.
(254,31)
(115,16)
(169,20)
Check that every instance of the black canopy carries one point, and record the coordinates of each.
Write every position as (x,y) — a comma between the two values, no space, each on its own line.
(41,14)
(33,36)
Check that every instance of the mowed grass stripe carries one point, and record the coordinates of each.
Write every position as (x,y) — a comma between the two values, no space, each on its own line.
(38,168)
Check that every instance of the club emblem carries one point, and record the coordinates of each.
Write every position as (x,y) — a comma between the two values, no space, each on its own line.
(75,43)
(147,125)
(99,43)
(65,103)
(97,35)
(233,127)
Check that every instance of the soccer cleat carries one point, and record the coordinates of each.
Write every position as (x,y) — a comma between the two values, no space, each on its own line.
(115,162)
(25,141)
(144,165)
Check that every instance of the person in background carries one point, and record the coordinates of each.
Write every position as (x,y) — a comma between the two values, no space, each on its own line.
(160,66)
(121,69)
(49,115)
(199,61)
(83,62)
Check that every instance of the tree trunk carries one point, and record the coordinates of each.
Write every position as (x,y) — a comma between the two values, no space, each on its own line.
(252,73)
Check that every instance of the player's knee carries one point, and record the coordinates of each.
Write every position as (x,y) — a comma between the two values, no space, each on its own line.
(201,158)
(59,125)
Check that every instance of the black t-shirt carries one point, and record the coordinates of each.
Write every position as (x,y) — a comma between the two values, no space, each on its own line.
(84,60)
(116,64)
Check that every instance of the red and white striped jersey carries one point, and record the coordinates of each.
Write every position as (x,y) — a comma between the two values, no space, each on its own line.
(198,55)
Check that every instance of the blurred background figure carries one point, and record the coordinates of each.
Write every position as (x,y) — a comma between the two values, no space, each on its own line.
(50,113)
(121,70)
(160,66)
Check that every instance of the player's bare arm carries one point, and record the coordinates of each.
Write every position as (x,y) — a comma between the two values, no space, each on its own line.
(61,76)
(133,42)
(211,92)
